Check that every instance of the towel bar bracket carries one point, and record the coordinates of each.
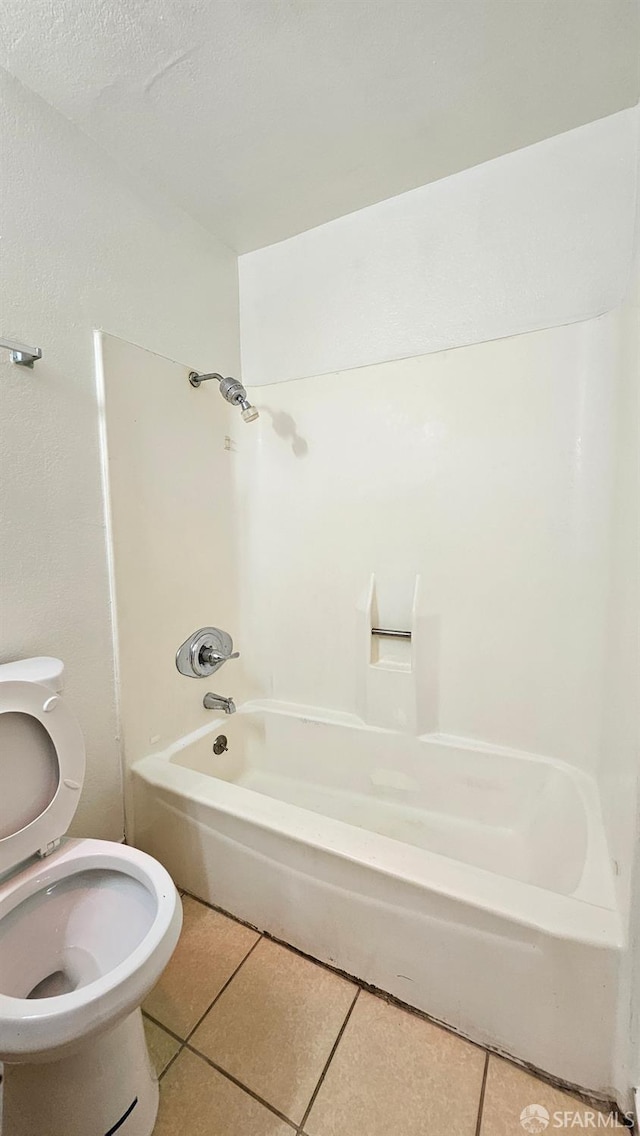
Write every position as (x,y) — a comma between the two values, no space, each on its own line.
(20,354)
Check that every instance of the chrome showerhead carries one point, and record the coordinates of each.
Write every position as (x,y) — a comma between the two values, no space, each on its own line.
(235,393)
(232,390)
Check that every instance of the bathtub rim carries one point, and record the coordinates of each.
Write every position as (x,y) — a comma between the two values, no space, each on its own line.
(563,916)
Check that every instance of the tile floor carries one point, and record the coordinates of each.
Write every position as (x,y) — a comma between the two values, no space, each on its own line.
(251,1039)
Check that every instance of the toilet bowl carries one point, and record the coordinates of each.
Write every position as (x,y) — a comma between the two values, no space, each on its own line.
(86,928)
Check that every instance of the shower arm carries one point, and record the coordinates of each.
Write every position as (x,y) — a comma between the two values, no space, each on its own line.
(195,379)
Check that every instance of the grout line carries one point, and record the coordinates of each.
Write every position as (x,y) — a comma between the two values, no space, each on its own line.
(482,1092)
(183,1041)
(175,1037)
(328,1062)
(222,990)
(157,1022)
(170,1063)
(595,1100)
(222,911)
(240,1085)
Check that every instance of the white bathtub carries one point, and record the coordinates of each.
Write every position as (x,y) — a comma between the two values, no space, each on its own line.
(471,882)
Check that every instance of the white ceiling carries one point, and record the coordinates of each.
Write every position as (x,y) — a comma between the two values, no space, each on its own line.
(263,118)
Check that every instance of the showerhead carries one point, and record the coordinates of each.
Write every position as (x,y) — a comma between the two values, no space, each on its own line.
(235,393)
(230,389)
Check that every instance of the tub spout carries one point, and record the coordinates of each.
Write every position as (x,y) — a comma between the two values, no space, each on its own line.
(219,702)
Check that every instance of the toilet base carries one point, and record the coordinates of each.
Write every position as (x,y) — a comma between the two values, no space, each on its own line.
(107,1088)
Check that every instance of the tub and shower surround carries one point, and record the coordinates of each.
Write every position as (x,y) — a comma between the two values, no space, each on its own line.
(436,828)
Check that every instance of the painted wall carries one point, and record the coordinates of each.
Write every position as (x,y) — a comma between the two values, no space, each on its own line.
(486,470)
(81,248)
(534,239)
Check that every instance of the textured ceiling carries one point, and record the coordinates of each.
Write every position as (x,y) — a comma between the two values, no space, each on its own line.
(263,118)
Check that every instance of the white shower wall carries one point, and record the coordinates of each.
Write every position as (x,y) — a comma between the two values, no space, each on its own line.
(620,730)
(173,519)
(486,471)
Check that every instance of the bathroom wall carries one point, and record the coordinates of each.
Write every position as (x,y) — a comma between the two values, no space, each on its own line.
(485,470)
(534,239)
(82,247)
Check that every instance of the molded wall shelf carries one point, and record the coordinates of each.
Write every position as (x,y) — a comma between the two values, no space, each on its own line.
(397,679)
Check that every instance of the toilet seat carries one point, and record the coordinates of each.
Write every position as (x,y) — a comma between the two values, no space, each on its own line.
(41,702)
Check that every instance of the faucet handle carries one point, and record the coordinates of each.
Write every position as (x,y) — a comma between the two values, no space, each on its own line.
(205,652)
(209,656)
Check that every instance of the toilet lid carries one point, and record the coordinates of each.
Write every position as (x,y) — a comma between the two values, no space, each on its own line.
(42,767)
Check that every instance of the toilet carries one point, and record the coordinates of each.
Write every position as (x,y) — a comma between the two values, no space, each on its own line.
(86,929)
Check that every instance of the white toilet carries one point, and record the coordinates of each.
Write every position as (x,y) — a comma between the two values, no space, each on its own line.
(86,928)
